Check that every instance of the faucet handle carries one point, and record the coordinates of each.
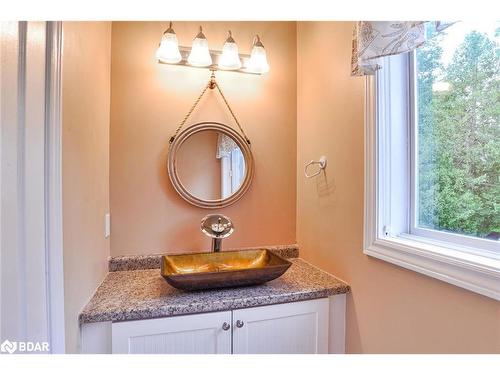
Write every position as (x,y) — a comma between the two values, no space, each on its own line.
(217,226)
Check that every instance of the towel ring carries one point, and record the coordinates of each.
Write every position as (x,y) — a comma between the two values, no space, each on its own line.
(321,163)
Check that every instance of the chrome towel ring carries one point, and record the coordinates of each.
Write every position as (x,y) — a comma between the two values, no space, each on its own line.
(321,163)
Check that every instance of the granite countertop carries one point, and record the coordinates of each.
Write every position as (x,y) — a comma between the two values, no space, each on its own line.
(144,294)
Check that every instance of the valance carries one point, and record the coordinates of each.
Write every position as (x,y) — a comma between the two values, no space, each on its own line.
(225,145)
(375,39)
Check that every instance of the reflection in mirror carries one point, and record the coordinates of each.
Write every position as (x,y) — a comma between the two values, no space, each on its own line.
(210,165)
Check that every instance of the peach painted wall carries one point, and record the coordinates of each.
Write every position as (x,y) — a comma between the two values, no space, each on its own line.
(390,309)
(86,64)
(149,100)
(198,168)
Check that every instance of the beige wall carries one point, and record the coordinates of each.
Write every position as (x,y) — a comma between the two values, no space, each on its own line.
(198,168)
(390,309)
(147,103)
(85,163)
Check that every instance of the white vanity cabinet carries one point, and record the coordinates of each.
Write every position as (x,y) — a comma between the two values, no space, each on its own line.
(290,328)
(208,333)
(306,327)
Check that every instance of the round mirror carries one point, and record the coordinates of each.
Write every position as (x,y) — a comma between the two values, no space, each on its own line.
(210,165)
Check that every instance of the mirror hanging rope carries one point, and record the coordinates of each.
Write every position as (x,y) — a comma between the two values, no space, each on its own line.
(212,83)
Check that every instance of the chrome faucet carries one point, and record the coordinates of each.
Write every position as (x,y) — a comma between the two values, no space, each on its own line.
(217,227)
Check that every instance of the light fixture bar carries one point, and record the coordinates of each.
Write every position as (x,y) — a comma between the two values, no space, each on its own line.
(215,61)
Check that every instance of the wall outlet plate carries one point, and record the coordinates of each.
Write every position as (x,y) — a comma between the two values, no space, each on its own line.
(107,225)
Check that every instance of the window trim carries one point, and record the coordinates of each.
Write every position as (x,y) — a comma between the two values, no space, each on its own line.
(433,258)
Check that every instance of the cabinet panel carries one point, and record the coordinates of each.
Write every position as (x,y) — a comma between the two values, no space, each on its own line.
(190,334)
(292,328)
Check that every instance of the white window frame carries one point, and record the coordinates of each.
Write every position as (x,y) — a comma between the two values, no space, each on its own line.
(390,231)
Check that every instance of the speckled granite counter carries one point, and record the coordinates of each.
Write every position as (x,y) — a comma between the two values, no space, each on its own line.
(144,294)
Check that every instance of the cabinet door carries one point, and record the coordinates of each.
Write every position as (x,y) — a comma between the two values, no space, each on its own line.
(290,328)
(189,334)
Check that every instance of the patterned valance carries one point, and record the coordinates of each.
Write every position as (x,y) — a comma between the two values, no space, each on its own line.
(375,39)
(225,145)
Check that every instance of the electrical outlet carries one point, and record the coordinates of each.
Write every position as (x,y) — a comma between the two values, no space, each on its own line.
(107,225)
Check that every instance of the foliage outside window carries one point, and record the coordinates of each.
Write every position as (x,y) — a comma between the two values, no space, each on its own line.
(458,100)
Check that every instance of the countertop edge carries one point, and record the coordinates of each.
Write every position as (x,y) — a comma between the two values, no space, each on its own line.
(213,307)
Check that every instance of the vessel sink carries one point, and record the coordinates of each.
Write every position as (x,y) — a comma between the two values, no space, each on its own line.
(222,269)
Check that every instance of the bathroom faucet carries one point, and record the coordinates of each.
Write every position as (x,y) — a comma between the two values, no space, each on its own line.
(216,244)
(217,227)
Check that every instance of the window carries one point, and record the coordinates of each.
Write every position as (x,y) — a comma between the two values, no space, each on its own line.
(457,145)
(433,158)
(232,165)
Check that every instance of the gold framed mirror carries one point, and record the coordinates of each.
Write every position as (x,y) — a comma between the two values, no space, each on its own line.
(210,165)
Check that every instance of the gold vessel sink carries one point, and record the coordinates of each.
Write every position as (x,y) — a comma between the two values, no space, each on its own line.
(222,269)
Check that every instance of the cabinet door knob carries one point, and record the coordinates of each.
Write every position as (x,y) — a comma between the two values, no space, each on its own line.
(225,326)
(239,323)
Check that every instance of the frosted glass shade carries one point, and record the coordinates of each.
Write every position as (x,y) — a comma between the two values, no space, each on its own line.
(200,55)
(230,58)
(168,51)
(258,59)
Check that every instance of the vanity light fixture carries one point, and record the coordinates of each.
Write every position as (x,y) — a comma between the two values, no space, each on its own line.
(258,58)
(230,59)
(168,51)
(200,55)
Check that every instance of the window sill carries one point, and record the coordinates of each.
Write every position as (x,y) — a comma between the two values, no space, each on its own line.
(473,272)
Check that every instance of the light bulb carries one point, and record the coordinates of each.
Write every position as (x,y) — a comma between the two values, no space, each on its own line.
(200,55)
(258,59)
(168,51)
(230,59)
